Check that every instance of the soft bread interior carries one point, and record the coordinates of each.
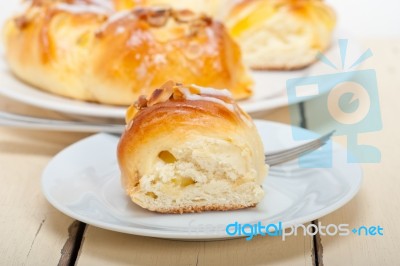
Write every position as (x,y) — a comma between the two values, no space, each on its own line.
(282,37)
(199,175)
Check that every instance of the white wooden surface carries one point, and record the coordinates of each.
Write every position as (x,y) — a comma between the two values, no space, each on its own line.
(103,247)
(32,232)
(378,202)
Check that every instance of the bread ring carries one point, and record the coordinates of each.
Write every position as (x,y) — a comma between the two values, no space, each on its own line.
(191,149)
(84,50)
(273,34)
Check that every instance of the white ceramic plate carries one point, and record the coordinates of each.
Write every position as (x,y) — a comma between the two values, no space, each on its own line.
(83,181)
(269,91)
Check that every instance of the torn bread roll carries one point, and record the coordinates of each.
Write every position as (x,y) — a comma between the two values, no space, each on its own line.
(191,149)
(84,50)
(281,34)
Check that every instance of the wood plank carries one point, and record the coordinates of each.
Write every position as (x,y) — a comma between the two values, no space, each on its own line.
(103,247)
(31,230)
(378,201)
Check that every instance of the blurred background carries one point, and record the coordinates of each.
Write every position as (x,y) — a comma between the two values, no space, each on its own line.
(359,17)
(368,18)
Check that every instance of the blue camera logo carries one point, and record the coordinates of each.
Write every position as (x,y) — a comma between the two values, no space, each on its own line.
(351,104)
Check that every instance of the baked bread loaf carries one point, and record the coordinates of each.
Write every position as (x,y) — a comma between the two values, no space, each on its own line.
(273,34)
(191,149)
(84,50)
(281,34)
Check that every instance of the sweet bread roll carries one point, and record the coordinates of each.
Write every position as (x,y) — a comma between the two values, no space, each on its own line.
(84,50)
(191,149)
(281,34)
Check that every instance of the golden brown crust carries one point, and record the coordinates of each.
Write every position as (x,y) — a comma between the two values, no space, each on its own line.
(43,50)
(84,52)
(128,4)
(200,52)
(177,115)
(196,209)
(246,14)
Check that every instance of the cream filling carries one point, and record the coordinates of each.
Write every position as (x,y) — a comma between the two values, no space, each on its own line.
(199,164)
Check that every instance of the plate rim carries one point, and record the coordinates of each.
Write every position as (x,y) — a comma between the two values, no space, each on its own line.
(83,108)
(184,235)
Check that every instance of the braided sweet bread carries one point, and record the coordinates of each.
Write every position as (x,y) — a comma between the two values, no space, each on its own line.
(273,34)
(84,50)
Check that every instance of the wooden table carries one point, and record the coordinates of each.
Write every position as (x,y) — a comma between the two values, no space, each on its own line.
(32,232)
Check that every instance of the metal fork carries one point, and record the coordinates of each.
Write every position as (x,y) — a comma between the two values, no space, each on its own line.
(23,121)
(287,155)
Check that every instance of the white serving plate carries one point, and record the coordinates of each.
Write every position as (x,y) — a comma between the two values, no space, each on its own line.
(83,181)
